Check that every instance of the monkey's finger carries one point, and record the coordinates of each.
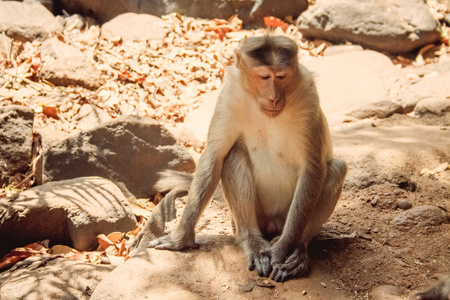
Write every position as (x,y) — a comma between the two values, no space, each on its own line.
(279,273)
(165,246)
(251,263)
(263,266)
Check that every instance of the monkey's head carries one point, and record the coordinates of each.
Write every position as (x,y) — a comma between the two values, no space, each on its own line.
(268,65)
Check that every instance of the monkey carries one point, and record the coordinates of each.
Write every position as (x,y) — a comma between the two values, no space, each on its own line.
(440,291)
(269,145)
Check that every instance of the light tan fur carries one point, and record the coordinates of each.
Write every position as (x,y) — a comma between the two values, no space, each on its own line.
(270,146)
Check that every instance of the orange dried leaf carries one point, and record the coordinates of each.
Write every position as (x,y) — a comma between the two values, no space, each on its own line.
(104,241)
(50,111)
(158,197)
(78,256)
(9,260)
(115,237)
(61,249)
(275,22)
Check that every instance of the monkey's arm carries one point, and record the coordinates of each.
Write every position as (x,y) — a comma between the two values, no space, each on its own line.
(289,253)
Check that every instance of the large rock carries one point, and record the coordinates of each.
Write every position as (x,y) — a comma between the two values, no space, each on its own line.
(16,138)
(132,27)
(59,279)
(27,21)
(131,150)
(66,65)
(396,26)
(351,81)
(250,11)
(69,212)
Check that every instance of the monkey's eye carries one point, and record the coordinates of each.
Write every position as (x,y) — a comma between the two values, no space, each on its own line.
(264,76)
(281,76)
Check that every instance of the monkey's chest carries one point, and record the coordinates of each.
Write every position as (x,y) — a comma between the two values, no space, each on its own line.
(276,165)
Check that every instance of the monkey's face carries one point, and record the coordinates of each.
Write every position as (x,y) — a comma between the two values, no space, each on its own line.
(269,86)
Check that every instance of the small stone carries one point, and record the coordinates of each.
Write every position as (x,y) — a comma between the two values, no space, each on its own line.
(304,292)
(403,204)
(323,284)
(248,287)
(375,200)
(265,282)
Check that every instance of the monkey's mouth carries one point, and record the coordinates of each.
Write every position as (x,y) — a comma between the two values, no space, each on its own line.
(271,112)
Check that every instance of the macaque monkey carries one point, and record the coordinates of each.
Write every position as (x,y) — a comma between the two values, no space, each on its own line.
(269,145)
(440,291)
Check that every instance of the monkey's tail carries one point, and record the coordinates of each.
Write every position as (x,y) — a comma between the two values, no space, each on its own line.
(178,183)
(173,180)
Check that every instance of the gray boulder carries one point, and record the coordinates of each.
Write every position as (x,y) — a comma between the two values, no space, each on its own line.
(130,150)
(27,21)
(59,279)
(67,65)
(396,26)
(250,11)
(70,212)
(16,138)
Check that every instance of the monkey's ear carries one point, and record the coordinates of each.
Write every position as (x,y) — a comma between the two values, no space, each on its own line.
(239,59)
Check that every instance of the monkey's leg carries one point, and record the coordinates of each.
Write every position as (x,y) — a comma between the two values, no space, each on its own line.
(296,263)
(239,190)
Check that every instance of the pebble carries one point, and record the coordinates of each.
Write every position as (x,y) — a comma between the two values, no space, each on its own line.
(403,204)
(375,200)
(425,215)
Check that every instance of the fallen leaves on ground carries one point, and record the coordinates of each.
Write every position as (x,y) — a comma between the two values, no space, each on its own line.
(22,253)
(113,249)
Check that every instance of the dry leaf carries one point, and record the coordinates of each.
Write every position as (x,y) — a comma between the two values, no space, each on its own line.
(115,237)
(104,241)
(61,249)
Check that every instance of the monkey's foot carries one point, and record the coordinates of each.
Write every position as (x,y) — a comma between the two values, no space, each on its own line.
(171,242)
(258,253)
(295,265)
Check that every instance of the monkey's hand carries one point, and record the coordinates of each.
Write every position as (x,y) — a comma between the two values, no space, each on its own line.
(287,263)
(175,241)
(258,254)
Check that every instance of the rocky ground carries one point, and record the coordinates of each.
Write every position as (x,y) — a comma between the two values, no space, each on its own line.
(389,116)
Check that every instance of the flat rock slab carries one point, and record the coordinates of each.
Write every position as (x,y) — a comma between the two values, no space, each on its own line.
(27,21)
(350,81)
(218,270)
(71,212)
(58,279)
(389,154)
